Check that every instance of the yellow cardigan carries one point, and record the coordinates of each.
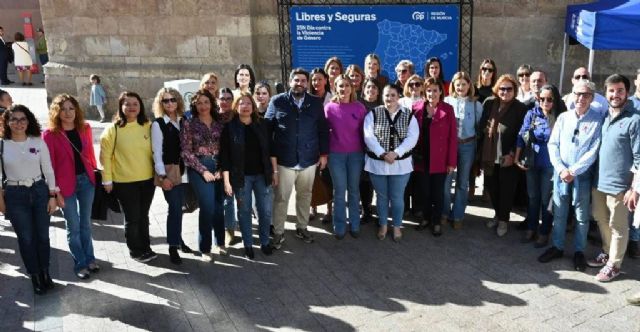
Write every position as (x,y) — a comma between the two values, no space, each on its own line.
(133,159)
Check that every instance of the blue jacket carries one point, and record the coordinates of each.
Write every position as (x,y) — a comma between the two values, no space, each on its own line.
(542,131)
(299,135)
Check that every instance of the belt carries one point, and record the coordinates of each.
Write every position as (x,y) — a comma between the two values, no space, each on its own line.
(467,140)
(25,183)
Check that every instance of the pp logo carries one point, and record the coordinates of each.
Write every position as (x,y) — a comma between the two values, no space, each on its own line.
(418,16)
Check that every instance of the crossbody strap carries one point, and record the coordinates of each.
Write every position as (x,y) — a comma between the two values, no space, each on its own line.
(78,151)
(4,174)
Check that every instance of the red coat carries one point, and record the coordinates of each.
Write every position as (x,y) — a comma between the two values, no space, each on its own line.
(62,160)
(443,137)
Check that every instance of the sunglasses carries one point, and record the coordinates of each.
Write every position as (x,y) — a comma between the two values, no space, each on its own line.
(544,99)
(575,135)
(18,120)
(583,94)
(487,69)
(415,84)
(226,98)
(505,89)
(403,71)
(169,100)
(581,77)
(524,74)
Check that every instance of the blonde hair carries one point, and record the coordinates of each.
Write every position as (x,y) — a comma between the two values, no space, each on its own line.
(206,77)
(352,95)
(405,88)
(461,75)
(158,108)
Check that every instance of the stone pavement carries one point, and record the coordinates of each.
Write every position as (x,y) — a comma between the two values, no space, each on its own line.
(466,280)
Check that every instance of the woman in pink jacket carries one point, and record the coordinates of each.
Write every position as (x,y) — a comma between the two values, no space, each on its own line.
(435,155)
(70,146)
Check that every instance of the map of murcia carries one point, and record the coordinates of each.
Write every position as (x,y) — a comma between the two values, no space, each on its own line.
(398,41)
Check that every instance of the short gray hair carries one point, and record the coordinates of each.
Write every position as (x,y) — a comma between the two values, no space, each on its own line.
(588,84)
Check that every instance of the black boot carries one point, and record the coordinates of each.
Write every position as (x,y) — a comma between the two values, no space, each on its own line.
(185,249)
(46,279)
(38,285)
(174,257)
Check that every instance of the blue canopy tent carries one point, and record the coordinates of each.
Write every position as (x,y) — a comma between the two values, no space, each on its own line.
(602,25)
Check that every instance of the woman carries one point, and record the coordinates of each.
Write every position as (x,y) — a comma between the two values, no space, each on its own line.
(433,68)
(345,116)
(390,133)
(370,99)
(209,82)
(356,75)
(524,92)
(247,169)
(262,96)
(486,79)
(29,191)
(70,144)
(413,91)
(435,152)
(168,108)
(501,121)
(372,69)
(333,68)
(319,86)
(22,58)
(245,80)
(226,205)
(468,112)
(125,153)
(200,145)
(535,132)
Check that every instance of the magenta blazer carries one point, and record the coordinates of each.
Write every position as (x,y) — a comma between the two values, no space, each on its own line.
(443,137)
(62,160)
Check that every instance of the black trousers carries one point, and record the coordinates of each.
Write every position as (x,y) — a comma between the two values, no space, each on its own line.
(135,201)
(4,63)
(502,185)
(366,193)
(433,196)
(413,193)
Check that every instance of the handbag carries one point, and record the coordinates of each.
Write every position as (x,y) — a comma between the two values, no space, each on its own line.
(321,192)
(173,174)
(34,68)
(3,207)
(190,202)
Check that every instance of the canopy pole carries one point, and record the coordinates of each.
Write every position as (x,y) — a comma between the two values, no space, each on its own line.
(591,53)
(564,53)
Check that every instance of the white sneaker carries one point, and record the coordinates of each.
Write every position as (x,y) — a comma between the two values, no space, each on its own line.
(502,228)
(491,223)
(207,257)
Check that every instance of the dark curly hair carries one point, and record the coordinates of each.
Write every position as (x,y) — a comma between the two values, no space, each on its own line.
(121,119)
(212,100)
(33,127)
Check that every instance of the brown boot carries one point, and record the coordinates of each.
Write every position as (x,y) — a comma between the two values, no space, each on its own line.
(542,240)
(229,237)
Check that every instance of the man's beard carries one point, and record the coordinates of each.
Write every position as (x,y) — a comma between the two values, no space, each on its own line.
(297,94)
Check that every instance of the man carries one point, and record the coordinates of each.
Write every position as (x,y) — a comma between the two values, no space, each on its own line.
(404,70)
(5,55)
(300,142)
(599,102)
(612,196)
(573,149)
(537,80)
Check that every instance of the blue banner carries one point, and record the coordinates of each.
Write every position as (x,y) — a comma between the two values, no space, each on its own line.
(393,32)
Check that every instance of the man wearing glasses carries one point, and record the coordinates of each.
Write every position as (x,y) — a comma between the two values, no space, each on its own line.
(537,80)
(599,102)
(612,196)
(573,149)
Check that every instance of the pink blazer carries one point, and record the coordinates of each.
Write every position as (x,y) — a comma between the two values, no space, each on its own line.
(443,137)
(62,160)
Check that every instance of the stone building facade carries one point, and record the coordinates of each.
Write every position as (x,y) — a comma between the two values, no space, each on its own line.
(138,44)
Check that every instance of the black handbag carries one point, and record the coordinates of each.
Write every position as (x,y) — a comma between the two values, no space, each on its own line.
(190,202)
(102,200)
(528,156)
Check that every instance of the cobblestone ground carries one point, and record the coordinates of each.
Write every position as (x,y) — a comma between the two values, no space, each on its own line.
(466,280)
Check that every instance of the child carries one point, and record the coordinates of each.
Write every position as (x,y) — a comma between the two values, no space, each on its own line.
(97,98)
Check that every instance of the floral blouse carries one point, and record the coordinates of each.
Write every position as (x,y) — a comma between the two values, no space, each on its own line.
(198,140)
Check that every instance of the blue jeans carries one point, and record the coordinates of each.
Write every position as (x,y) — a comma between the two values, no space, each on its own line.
(390,191)
(174,198)
(539,191)
(27,211)
(44,58)
(466,155)
(562,201)
(256,185)
(345,169)
(77,213)
(208,219)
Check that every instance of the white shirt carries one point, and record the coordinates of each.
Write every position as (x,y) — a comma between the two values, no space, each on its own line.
(157,140)
(399,167)
(27,160)
(22,54)
(408,101)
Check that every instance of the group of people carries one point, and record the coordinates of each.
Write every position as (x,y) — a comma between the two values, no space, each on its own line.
(22,55)
(409,141)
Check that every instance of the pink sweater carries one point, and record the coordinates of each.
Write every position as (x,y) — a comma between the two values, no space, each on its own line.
(62,160)
(443,137)
(345,126)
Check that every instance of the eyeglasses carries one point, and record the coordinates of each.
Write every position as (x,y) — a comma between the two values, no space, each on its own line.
(505,88)
(487,69)
(524,74)
(415,84)
(544,100)
(225,98)
(583,94)
(575,135)
(169,100)
(18,120)
(402,71)
(581,77)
